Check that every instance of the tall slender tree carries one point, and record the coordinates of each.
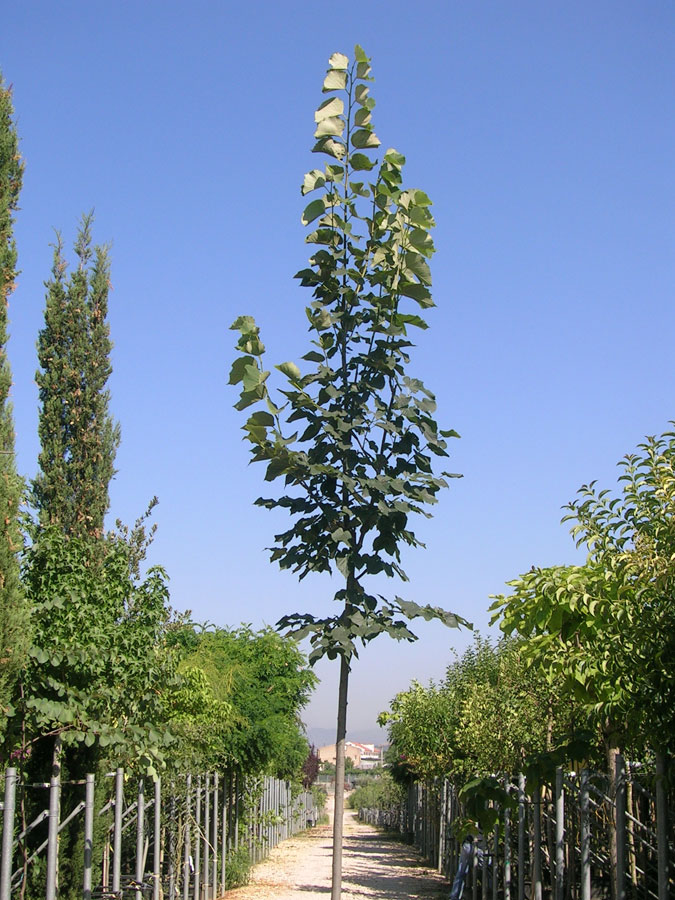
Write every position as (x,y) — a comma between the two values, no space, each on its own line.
(13,614)
(78,437)
(361,464)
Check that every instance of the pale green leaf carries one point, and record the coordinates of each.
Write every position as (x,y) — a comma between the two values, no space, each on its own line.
(335,80)
(331,126)
(338,61)
(333,106)
(290,370)
(312,180)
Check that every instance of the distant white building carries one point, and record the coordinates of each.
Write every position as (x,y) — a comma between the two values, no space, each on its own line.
(363,756)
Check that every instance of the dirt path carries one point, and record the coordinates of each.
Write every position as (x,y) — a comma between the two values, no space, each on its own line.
(374,866)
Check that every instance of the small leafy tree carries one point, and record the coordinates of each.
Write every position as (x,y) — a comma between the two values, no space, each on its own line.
(607,628)
(13,610)
(360,464)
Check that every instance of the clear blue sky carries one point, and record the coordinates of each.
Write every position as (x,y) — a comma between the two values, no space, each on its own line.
(544,134)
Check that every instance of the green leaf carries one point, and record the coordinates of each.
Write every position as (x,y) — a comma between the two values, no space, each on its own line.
(450,433)
(363,139)
(261,418)
(290,370)
(252,377)
(330,147)
(245,324)
(359,54)
(332,125)
(312,180)
(360,162)
(338,61)
(312,211)
(237,370)
(395,158)
(331,107)
(335,80)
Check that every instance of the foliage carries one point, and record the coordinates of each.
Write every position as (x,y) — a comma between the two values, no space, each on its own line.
(238,868)
(257,684)
(14,635)
(606,629)
(78,437)
(98,663)
(310,768)
(490,714)
(380,793)
(361,461)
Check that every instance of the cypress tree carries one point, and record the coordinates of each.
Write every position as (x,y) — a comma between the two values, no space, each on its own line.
(78,437)
(13,614)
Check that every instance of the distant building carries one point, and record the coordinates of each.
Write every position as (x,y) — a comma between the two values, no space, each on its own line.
(363,756)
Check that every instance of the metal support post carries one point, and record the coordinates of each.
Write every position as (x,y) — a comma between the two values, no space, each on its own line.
(88,835)
(585,838)
(140,817)
(620,774)
(207,834)
(536,839)
(507,847)
(186,839)
(521,836)
(157,841)
(8,834)
(117,832)
(662,827)
(559,835)
(214,839)
(198,840)
(54,814)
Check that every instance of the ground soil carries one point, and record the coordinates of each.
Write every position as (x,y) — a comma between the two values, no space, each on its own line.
(375,865)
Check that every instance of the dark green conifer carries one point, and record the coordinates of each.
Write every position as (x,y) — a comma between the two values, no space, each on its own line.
(13,615)
(78,437)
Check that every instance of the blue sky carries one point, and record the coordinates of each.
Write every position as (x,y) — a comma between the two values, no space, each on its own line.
(544,134)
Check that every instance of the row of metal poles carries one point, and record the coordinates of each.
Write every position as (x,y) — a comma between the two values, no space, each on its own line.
(191,830)
(556,840)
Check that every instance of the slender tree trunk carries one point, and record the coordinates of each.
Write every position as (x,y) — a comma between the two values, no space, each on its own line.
(336,885)
(612,752)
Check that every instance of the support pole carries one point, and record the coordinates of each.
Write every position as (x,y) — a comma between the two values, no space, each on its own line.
(620,771)
(54,814)
(507,847)
(198,840)
(207,834)
(521,836)
(140,816)
(88,835)
(559,835)
(585,838)
(8,834)
(117,830)
(536,837)
(214,840)
(186,838)
(662,826)
(157,843)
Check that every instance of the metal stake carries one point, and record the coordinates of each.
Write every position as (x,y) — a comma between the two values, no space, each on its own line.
(88,835)
(8,834)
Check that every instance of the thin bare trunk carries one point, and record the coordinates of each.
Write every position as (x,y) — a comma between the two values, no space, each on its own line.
(336,885)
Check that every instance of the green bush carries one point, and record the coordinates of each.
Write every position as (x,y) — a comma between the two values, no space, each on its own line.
(238,868)
(382,793)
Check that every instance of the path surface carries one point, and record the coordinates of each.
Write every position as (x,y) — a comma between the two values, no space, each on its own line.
(374,866)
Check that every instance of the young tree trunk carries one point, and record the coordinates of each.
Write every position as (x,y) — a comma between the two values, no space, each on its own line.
(338,812)
(612,749)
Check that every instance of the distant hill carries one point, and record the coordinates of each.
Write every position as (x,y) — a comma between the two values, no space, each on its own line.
(320,737)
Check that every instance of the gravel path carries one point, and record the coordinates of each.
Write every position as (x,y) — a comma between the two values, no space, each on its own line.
(374,866)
